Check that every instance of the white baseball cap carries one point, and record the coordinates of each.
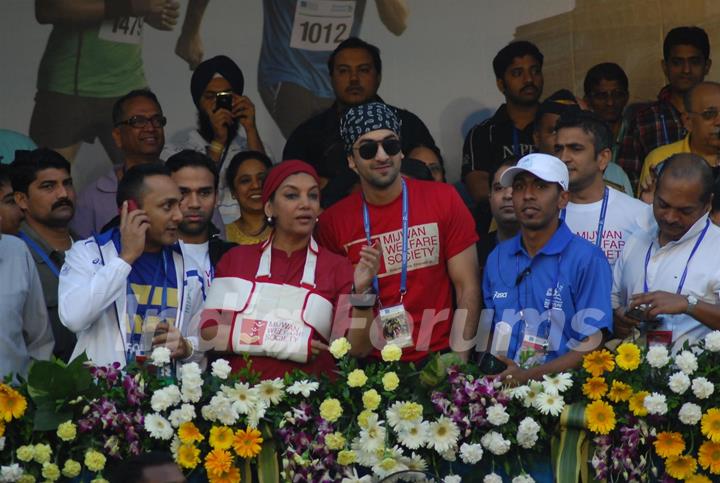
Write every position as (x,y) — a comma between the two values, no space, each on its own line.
(547,168)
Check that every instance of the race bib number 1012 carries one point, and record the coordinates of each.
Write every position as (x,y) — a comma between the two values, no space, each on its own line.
(321,24)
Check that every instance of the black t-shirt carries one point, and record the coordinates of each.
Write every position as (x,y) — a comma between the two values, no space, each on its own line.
(494,140)
(317,141)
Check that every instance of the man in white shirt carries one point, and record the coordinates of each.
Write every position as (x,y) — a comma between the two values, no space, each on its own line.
(601,215)
(670,274)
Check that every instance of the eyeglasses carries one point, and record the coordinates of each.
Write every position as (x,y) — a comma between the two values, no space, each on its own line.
(369,149)
(140,122)
(616,95)
(708,114)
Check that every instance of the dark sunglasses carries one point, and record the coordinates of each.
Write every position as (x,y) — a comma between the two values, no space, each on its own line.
(140,122)
(369,149)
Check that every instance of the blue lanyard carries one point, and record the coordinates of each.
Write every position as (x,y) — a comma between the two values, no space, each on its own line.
(601,221)
(405,223)
(687,264)
(41,253)
(554,287)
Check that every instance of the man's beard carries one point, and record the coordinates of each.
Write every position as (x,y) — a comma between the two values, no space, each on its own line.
(206,130)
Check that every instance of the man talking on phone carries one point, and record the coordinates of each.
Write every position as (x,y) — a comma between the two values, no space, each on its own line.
(667,281)
(217,91)
(127,291)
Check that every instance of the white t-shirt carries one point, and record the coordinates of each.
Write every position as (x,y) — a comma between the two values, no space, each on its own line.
(197,257)
(664,272)
(624,216)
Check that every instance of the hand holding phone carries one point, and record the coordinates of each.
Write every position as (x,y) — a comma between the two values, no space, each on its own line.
(224,100)
(134,223)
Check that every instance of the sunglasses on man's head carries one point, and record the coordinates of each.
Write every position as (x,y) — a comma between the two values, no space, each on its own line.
(368,149)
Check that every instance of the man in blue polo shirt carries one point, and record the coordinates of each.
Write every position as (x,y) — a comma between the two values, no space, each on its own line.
(551,298)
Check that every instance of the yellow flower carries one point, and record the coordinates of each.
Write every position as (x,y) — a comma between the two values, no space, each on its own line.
(597,362)
(391,353)
(710,425)
(189,433)
(330,410)
(371,399)
(26,453)
(221,437)
(669,444)
(363,417)
(67,431)
(94,460)
(26,478)
(357,378)
(71,469)
(218,462)
(595,387)
(346,457)
(410,411)
(50,471)
(42,453)
(247,442)
(709,457)
(619,391)
(628,356)
(636,403)
(600,417)
(2,429)
(335,441)
(680,467)
(12,403)
(232,475)
(188,456)
(390,381)
(340,347)
(697,479)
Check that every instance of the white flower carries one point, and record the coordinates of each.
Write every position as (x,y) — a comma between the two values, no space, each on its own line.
(413,435)
(523,479)
(11,473)
(191,394)
(690,414)
(415,462)
(223,410)
(175,446)
(550,404)
(160,356)
(452,479)
(492,478)
(221,369)
(686,362)
(712,341)
(656,403)
(352,477)
(495,443)
(271,390)
(388,466)
(518,392)
(658,356)
(185,413)
(443,434)
(496,415)
(243,397)
(557,383)
(527,433)
(471,453)
(164,398)
(449,454)
(536,388)
(679,382)
(158,427)
(256,413)
(702,388)
(303,387)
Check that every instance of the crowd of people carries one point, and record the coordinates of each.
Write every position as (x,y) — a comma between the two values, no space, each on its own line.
(578,220)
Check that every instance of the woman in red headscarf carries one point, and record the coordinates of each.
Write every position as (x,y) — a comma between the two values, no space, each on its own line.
(278,301)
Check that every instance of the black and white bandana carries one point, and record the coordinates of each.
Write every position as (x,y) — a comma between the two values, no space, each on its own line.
(364,118)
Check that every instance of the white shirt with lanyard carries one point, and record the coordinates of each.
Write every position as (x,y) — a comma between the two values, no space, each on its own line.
(396,325)
(601,219)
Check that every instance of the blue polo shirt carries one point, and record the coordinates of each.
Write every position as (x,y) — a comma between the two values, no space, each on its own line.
(561,295)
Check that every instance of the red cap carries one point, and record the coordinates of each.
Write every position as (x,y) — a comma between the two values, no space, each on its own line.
(281,171)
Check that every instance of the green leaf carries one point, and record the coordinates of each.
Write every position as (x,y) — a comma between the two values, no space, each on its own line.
(435,371)
(47,416)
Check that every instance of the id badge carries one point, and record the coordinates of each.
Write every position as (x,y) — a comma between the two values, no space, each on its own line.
(125,30)
(321,25)
(659,337)
(395,326)
(536,348)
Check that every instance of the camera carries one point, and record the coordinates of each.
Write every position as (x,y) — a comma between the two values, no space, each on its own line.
(223,100)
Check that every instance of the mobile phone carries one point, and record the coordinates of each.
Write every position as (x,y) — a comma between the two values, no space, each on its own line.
(132,206)
(489,364)
(637,313)
(223,100)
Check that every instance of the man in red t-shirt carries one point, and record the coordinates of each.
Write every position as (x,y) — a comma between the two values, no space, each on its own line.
(423,259)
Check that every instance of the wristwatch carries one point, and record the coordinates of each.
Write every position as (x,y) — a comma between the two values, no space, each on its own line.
(692,302)
(363,300)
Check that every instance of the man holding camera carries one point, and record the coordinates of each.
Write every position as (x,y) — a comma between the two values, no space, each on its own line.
(217,91)
(667,280)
